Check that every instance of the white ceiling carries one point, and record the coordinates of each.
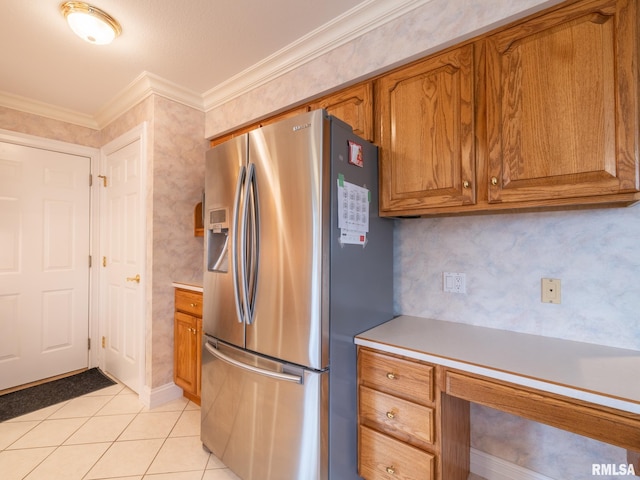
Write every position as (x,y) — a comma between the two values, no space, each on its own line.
(196,45)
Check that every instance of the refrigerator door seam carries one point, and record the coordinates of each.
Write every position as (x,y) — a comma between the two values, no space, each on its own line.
(260,371)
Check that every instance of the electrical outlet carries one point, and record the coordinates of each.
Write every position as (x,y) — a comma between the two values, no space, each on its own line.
(550,290)
(454,282)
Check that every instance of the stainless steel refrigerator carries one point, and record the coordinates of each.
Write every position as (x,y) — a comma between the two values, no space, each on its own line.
(297,262)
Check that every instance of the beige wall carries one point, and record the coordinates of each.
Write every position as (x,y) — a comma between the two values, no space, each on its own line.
(30,124)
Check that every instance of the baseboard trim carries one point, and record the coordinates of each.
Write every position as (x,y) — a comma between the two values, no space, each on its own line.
(152,398)
(494,468)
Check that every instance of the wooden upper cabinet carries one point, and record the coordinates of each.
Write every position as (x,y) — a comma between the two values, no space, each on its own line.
(286,114)
(426,134)
(562,112)
(352,105)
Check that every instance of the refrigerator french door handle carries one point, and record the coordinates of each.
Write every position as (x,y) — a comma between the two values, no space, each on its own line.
(260,371)
(244,284)
(251,194)
(239,302)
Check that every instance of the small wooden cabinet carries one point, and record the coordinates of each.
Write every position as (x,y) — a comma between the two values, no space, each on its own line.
(425,132)
(198,221)
(353,105)
(403,421)
(187,342)
(562,111)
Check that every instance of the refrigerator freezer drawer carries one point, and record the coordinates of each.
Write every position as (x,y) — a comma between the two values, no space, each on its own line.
(262,419)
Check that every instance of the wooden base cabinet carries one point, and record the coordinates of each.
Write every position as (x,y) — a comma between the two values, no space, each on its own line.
(407,428)
(187,340)
(383,458)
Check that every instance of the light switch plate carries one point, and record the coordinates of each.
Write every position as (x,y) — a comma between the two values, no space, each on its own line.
(550,290)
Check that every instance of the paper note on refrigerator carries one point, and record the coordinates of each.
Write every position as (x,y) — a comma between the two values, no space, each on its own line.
(353,212)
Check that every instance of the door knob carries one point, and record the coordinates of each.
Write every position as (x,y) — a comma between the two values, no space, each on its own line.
(134,279)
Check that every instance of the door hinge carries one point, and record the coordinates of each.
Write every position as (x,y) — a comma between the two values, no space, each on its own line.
(90,261)
(90,180)
(104,180)
(104,261)
(104,342)
(88,344)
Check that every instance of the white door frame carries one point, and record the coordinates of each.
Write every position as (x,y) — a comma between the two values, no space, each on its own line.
(93,154)
(137,133)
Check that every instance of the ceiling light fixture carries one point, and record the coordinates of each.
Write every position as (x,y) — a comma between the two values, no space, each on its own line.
(90,23)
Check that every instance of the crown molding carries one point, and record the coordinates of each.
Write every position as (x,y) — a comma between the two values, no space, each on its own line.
(140,88)
(354,23)
(46,110)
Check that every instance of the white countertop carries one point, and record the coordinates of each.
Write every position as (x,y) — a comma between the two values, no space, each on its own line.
(603,375)
(188,286)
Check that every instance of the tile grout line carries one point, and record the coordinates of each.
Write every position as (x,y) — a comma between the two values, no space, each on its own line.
(113,441)
(184,419)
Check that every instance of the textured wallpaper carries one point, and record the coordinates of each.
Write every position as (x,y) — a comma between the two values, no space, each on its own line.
(594,253)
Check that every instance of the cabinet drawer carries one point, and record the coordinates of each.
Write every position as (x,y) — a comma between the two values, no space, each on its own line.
(402,378)
(189,302)
(404,420)
(382,457)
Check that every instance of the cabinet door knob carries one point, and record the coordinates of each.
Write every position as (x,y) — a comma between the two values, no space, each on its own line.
(391,470)
(391,415)
(391,376)
(494,181)
(466,184)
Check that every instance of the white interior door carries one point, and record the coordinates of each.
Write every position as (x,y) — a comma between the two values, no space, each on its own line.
(123,262)
(44,263)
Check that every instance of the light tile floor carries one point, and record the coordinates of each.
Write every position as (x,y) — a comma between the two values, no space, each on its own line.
(108,434)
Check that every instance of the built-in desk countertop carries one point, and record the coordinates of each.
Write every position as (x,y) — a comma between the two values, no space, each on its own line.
(555,381)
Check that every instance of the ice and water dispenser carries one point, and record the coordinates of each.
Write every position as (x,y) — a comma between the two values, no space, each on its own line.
(217,231)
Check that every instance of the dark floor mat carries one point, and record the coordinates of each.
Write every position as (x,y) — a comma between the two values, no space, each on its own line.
(34,398)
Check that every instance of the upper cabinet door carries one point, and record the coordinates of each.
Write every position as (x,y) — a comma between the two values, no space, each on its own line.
(562,112)
(426,134)
(353,106)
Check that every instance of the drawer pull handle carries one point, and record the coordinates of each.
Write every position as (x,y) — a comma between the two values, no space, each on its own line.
(391,470)
(391,376)
(193,304)
(391,415)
